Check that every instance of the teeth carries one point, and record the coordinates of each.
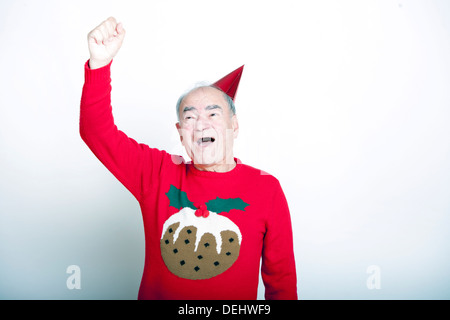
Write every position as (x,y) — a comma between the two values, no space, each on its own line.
(206,139)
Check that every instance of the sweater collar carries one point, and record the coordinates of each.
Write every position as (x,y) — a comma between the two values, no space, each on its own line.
(211,174)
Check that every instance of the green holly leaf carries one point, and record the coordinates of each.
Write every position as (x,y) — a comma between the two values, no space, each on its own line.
(179,199)
(219,205)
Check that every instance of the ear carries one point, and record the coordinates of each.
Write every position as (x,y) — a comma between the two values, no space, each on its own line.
(179,131)
(235,126)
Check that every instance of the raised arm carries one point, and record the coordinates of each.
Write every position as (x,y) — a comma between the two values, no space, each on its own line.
(135,165)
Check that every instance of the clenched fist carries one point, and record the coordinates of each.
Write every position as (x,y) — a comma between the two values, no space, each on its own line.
(104,42)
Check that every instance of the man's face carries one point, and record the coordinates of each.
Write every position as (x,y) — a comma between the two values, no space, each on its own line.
(207,127)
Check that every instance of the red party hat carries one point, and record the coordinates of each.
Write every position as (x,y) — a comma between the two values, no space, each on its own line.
(229,84)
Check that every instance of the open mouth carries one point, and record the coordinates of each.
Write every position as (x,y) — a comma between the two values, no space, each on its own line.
(205,141)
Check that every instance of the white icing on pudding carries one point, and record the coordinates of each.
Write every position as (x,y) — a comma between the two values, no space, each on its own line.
(213,224)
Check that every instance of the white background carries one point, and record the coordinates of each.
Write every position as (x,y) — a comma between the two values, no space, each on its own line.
(347,103)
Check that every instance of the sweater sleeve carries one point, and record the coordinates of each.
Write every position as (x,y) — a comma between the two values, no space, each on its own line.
(133,164)
(278,263)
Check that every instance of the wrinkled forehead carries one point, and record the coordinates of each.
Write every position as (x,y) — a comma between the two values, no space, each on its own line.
(204,96)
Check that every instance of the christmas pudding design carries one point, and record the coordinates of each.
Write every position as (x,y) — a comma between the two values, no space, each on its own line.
(198,242)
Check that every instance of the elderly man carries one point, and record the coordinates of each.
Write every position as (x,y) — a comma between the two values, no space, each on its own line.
(208,222)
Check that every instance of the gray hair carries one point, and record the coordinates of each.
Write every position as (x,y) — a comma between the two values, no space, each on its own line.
(203,85)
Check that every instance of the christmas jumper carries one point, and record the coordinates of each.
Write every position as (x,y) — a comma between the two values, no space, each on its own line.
(205,232)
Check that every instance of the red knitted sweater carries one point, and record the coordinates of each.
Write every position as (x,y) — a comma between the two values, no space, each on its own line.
(205,232)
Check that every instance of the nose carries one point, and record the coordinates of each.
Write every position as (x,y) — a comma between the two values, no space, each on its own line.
(202,123)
